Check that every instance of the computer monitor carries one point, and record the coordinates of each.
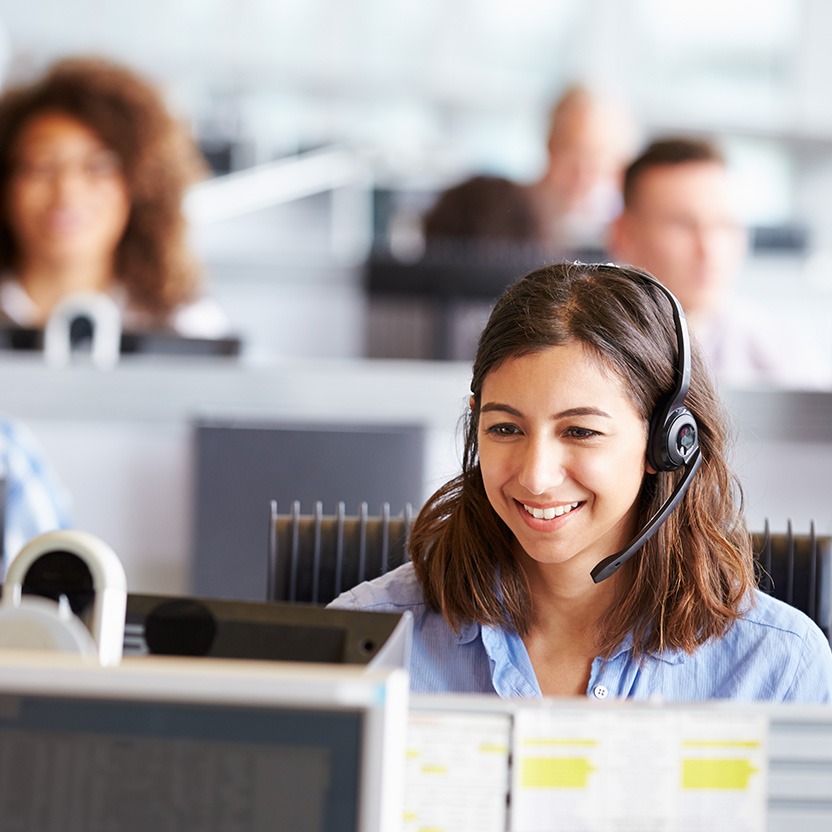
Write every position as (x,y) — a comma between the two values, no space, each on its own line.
(241,465)
(217,628)
(186,744)
(150,342)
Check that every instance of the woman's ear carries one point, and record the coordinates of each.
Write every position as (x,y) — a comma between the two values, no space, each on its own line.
(649,469)
(471,402)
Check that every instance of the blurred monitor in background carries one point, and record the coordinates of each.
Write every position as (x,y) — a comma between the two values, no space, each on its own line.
(569,207)
(93,168)
(681,222)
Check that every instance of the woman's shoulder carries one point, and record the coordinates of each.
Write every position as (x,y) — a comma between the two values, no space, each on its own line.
(395,591)
(769,613)
(784,649)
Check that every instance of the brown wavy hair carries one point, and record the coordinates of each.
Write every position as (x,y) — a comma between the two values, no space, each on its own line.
(159,161)
(689,581)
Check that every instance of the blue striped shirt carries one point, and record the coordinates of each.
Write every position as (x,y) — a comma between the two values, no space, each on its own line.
(35,499)
(773,653)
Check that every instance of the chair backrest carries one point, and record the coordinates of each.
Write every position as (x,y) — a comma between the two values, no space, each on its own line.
(797,569)
(313,558)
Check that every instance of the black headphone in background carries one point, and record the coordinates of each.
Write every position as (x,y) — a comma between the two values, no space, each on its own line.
(673,438)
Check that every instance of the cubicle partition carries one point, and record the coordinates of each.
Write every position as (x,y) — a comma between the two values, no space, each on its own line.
(782,452)
(123,441)
(124,444)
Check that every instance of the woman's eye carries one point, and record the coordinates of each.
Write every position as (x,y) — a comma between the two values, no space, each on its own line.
(102,164)
(502,430)
(581,433)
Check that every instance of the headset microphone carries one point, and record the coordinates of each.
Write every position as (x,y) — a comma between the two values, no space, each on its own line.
(610,564)
(673,440)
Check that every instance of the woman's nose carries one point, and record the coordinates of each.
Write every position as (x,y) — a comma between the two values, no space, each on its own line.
(542,467)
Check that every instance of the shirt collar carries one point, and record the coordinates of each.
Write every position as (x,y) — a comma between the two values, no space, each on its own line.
(467,633)
(471,631)
(668,655)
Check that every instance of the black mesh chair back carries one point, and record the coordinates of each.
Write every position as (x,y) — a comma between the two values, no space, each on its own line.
(313,558)
(797,569)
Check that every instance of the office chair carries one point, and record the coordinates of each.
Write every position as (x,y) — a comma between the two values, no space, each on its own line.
(797,569)
(314,558)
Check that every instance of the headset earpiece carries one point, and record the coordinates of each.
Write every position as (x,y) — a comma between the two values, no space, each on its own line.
(674,436)
(673,440)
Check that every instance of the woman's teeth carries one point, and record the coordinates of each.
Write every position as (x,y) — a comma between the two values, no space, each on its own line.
(549,512)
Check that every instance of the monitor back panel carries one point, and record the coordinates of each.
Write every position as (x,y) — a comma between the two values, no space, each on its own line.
(242,466)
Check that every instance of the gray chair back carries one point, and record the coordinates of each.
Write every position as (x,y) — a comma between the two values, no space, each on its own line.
(313,558)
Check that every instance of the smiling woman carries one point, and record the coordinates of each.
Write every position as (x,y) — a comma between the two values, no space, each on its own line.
(562,463)
(93,169)
(580,377)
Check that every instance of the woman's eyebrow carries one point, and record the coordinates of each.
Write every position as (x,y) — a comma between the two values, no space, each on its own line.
(582,411)
(564,414)
(489,407)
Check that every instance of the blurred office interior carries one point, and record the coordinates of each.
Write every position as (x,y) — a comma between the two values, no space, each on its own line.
(400,99)
(330,127)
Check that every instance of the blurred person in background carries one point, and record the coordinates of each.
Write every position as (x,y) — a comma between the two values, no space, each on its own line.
(680,221)
(591,138)
(486,210)
(568,208)
(93,169)
(34,500)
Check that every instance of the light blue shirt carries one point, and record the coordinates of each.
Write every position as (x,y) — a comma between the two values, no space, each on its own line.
(35,499)
(773,653)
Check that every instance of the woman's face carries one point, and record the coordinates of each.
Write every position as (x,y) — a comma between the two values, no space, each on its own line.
(67,199)
(563,455)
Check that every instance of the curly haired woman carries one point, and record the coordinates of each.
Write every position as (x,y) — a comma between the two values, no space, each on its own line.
(93,168)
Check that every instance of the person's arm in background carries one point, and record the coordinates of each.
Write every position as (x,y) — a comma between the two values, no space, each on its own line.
(35,499)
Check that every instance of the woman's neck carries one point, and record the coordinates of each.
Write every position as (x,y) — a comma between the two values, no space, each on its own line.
(48,283)
(566,599)
(569,609)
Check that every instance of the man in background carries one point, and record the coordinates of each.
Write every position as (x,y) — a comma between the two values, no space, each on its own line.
(568,207)
(591,137)
(680,221)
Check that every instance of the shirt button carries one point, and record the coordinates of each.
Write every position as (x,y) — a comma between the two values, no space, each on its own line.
(600,692)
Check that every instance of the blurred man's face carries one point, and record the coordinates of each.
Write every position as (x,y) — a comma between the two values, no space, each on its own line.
(588,148)
(683,227)
(583,155)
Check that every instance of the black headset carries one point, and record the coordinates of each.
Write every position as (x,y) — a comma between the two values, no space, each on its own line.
(673,438)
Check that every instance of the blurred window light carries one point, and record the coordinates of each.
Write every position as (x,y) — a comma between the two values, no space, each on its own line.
(730,64)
